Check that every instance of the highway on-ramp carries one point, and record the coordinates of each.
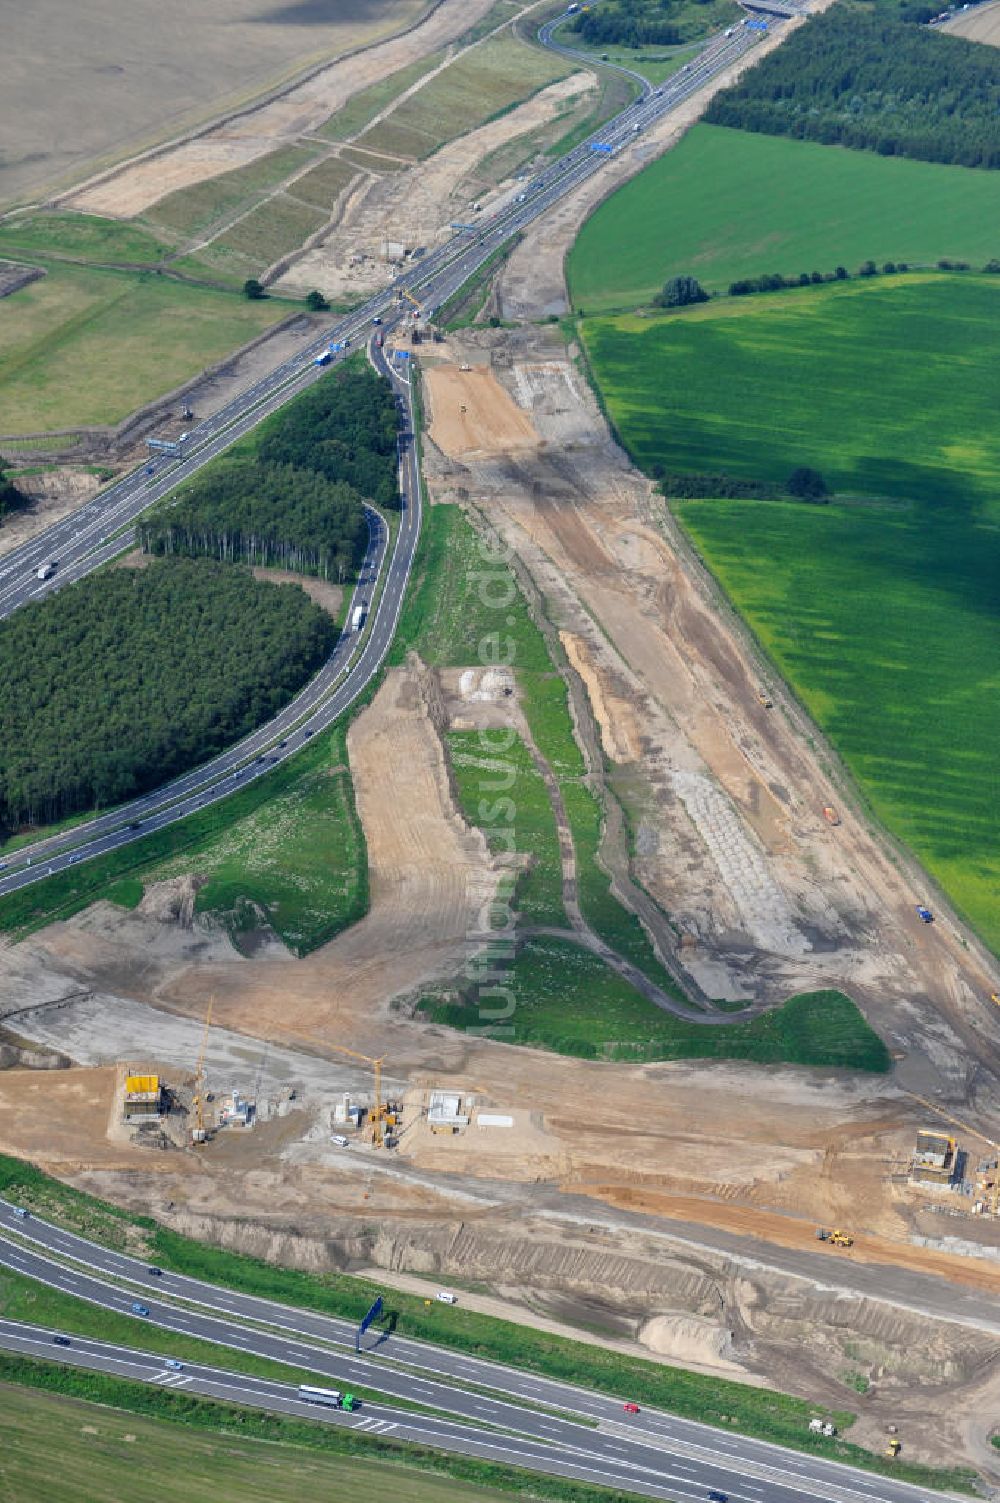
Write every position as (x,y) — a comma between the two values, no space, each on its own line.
(651,1453)
(99,531)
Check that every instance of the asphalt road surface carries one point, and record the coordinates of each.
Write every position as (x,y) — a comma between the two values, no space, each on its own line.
(102,529)
(651,1453)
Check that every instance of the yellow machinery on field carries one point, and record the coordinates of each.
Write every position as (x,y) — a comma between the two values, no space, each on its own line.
(841,1239)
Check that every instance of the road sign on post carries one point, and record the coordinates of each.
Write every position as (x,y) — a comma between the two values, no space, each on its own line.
(373,1314)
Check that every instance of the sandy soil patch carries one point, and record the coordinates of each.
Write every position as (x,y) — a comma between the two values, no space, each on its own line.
(980,24)
(416,206)
(614,713)
(252,134)
(53,497)
(330,596)
(472,415)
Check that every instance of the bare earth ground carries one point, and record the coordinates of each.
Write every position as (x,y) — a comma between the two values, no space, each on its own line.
(119,76)
(416,206)
(250,135)
(980,24)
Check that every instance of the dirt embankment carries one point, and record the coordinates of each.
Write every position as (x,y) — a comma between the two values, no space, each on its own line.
(253,132)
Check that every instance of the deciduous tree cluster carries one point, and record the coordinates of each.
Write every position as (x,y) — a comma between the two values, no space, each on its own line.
(860,78)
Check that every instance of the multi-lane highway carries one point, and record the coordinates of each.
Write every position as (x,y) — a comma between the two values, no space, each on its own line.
(650,1453)
(99,531)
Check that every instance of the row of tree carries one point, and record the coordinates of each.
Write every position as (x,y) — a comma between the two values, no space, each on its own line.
(278,515)
(866,80)
(122,680)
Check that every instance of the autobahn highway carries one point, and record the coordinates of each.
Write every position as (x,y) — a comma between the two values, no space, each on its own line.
(99,531)
(651,1453)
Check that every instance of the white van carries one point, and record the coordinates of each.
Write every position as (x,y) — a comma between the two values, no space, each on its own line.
(446,1298)
(340,1140)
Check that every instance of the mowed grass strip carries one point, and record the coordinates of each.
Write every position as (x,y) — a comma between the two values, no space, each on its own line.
(725,204)
(501,791)
(360,110)
(85,345)
(566,999)
(482,83)
(884,615)
(197,208)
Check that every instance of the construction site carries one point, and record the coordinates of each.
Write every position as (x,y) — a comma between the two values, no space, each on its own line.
(809,1229)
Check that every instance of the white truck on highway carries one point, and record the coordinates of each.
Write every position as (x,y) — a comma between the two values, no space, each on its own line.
(357,618)
(45,571)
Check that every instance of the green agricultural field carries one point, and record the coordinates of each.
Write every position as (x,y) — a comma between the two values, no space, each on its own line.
(180,1464)
(90,346)
(80,237)
(567,1000)
(483,82)
(726,204)
(882,613)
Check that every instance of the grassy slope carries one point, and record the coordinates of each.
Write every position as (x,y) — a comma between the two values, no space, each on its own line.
(182,1465)
(480,84)
(290,841)
(725,204)
(89,346)
(883,615)
(567,1000)
(84,237)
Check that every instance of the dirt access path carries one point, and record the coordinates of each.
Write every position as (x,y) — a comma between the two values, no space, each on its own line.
(726,796)
(252,133)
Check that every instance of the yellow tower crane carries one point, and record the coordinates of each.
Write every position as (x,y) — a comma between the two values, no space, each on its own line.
(199,1135)
(380,1117)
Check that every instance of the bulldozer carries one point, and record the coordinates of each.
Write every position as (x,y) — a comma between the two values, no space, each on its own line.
(894,1447)
(841,1239)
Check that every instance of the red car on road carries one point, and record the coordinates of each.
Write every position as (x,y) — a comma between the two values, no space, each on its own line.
(631,1408)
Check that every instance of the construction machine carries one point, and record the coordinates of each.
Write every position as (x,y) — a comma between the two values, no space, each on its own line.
(841,1239)
(894,1447)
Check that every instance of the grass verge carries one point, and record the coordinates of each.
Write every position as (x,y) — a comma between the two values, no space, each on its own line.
(192,1449)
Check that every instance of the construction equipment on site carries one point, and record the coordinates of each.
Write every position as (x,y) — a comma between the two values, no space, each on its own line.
(830,815)
(841,1239)
(894,1447)
(383,1114)
(765,699)
(995,997)
(199,1133)
(991,1193)
(822,1235)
